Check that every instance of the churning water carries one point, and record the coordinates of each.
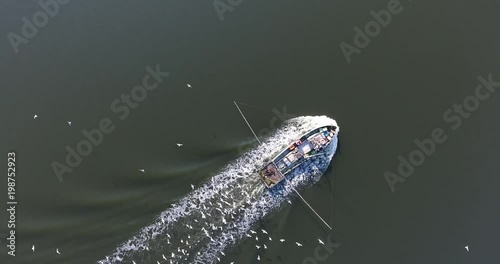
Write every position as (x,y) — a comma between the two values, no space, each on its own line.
(203,224)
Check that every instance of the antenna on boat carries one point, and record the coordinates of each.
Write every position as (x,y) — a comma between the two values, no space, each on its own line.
(291,186)
(320,218)
(247,122)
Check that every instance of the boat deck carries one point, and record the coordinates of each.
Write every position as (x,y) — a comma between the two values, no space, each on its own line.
(307,146)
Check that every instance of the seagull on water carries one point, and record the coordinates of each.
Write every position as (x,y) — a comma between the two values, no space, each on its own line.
(142,170)
(189,85)
(57,251)
(192,187)
(35,116)
(298,244)
(179,145)
(33,248)
(69,123)
(282,240)
(467,247)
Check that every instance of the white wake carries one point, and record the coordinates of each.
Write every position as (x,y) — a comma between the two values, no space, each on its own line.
(209,220)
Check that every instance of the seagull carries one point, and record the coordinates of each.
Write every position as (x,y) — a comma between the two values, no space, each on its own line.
(258,257)
(35,116)
(264,231)
(298,244)
(282,240)
(189,85)
(467,247)
(289,202)
(270,239)
(257,246)
(33,248)
(192,187)
(265,247)
(69,123)
(57,251)
(179,145)
(165,258)
(321,242)
(142,170)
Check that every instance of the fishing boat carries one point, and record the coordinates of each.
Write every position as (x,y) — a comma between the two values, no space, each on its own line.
(311,144)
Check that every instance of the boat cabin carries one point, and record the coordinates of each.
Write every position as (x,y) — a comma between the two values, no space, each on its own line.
(307,146)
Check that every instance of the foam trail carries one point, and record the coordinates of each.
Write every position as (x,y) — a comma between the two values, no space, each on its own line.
(223,210)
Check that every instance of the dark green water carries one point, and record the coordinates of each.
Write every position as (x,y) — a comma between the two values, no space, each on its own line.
(274,54)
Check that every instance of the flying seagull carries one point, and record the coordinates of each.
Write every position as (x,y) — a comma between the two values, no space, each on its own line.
(189,85)
(467,247)
(142,170)
(57,251)
(35,116)
(298,244)
(69,123)
(321,242)
(179,144)
(33,248)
